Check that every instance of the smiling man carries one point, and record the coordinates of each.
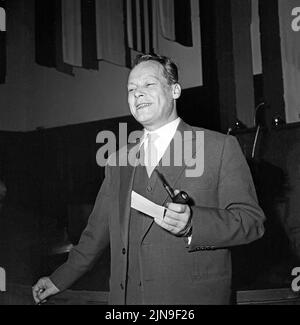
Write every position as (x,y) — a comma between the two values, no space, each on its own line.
(184,256)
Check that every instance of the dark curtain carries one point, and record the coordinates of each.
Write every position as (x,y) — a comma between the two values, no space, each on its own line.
(48,35)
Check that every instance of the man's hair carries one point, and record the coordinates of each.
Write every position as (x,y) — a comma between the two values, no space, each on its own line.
(170,69)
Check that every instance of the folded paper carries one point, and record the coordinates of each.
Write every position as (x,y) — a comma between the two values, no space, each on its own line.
(140,203)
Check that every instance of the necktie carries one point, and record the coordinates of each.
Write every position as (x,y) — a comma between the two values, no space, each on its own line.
(151,153)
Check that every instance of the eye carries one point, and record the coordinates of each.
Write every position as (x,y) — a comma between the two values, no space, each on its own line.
(149,84)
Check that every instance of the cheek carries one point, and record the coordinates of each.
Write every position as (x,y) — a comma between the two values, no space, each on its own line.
(130,102)
(132,110)
(163,102)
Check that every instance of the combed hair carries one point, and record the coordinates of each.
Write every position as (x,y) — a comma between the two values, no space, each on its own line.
(170,69)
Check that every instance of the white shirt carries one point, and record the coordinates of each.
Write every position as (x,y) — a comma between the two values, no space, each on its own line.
(165,135)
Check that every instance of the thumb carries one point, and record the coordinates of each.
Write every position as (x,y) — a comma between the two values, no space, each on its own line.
(45,294)
(50,290)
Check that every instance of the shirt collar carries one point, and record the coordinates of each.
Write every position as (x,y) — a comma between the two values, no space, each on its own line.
(167,131)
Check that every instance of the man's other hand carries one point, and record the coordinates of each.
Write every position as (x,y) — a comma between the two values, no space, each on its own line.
(43,289)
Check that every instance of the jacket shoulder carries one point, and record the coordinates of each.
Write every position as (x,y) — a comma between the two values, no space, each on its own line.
(213,136)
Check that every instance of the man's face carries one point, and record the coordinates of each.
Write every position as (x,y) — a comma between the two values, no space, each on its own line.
(151,99)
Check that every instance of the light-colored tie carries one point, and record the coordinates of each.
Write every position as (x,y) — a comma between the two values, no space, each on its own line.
(151,153)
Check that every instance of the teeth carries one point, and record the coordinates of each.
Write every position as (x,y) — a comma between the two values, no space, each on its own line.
(143,105)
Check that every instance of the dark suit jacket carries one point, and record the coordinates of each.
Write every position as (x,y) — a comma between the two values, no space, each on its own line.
(225,213)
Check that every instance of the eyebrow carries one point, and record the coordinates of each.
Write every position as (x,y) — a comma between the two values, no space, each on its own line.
(145,79)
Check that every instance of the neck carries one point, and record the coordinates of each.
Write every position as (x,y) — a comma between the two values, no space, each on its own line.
(159,125)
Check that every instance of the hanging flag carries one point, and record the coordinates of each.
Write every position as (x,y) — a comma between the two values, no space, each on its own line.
(167,19)
(111,33)
(79,33)
(48,35)
(59,61)
(45,33)
(2,41)
(88,34)
(175,17)
(71,31)
(141,21)
(289,16)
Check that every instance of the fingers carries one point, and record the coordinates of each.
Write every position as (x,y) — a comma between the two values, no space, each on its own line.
(179,208)
(171,225)
(43,295)
(43,289)
(36,291)
(39,291)
(176,218)
(38,298)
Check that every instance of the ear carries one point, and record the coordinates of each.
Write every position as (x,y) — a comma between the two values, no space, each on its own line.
(176,91)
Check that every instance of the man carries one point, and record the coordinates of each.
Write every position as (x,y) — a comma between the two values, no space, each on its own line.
(183,258)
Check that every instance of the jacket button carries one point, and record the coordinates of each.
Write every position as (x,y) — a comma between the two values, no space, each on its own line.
(123,251)
(122,286)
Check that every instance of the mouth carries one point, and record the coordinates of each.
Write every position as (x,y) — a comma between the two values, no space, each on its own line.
(142,106)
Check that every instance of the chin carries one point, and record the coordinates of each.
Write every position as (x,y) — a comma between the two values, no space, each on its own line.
(143,122)
(143,119)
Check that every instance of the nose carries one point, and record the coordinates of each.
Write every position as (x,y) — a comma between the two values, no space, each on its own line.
(138,93)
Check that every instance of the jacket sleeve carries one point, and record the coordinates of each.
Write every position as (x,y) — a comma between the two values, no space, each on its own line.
(237,219)
(93,241)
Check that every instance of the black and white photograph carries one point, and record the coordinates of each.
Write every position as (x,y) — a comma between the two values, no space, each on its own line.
(149,155)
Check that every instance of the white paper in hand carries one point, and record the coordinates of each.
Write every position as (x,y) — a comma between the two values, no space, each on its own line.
(140,203)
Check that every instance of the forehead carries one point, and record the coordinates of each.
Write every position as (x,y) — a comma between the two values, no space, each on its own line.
(148,69)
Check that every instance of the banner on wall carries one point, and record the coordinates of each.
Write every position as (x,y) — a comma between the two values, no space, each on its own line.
(48,35)
(175,19)
(111,32)
(65,34)
(289,15)
(141,23)
(79,33)
(2,41)
(71,30)
(145,18)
